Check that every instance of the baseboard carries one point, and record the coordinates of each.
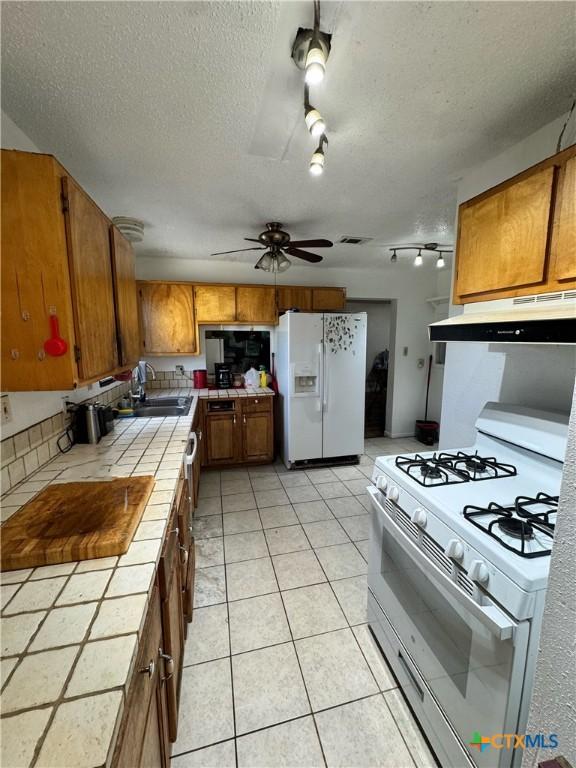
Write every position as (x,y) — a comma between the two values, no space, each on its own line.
(393,435)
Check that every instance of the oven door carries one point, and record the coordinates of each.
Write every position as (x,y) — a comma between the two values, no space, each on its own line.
(469,656)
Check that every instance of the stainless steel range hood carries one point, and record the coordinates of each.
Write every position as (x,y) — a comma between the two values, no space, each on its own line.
(543,319)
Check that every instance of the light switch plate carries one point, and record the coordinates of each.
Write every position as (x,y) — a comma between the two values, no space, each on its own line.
(6,410)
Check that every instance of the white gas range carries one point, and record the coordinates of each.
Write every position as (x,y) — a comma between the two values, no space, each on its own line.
(458,564)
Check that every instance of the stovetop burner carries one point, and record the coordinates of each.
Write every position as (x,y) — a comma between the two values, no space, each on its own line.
(516,528)
(523,527)
(449,468)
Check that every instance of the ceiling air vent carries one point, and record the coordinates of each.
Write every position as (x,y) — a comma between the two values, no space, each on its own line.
(132,229)
(354,240)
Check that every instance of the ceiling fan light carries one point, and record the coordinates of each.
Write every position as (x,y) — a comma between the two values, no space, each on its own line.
(394,257)
(315,122)
(418,260)
(315,64)
(282,263)
(265,262)
(440,262)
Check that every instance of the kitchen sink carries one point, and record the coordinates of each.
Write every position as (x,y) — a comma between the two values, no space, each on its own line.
(163,406)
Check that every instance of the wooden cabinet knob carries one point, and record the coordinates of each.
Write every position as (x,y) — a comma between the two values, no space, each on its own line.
(168,664)
(149,670)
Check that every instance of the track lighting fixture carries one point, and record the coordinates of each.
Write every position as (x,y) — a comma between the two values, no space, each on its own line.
(422,249)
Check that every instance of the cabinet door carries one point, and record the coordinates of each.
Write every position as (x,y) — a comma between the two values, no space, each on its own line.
(143,736)
(503,237)
(256,304)
(186,552)
(167,319)
(221,438)
(564,234)
(90,263)
(215,303)
(328,298)
(126,300)
(257,436)
(294,297)
(172,623)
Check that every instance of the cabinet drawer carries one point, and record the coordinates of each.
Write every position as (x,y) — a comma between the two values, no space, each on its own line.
(257,404)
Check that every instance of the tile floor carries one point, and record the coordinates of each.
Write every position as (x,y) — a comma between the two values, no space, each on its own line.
(280,667)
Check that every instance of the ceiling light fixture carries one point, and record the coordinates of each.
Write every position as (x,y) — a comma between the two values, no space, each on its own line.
(440,262)
(422,249)
(273,262)
(418,260)
(394,257)
(315,62)
(314,121)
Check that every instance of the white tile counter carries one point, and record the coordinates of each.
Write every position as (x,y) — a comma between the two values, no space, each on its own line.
(69,633)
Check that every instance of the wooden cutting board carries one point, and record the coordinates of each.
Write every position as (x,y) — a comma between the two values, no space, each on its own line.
(74,521)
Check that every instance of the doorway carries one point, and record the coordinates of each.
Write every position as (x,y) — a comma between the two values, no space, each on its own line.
(378,344)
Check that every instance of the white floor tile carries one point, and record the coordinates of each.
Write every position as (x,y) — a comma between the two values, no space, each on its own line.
(405,721)
(207,527)
(275,517)
(341,561)
(286,539)
(238,502)
(298,569)
(209,552)
(221,755)
(362,734)
(289,745)
(208,636)
(312,610)
(374,657)
(326,533)
(312,511)
(242,522)
(302,493)
(271,498)
(250,578)
(334,669)
(258,622)
(244,546)
(268,687)
(205,706)
(209,586)
(352,596)
(346,507)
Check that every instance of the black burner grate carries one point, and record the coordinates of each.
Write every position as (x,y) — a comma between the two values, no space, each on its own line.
(450,468)
(521,521)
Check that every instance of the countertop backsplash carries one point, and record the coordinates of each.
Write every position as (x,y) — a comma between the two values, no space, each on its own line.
(28,450)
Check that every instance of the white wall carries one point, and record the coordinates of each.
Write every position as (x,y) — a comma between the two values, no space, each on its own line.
(29,408)
(407,382)
(528,375)
(553,706)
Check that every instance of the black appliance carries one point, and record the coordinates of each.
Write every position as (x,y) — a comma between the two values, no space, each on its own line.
(222,375)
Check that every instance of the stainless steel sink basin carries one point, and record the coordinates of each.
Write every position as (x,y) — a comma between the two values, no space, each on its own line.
(163,406)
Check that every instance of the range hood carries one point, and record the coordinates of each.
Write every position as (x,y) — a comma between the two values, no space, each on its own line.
(543,319)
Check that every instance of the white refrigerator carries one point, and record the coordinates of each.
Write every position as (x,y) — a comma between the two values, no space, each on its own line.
(321,369)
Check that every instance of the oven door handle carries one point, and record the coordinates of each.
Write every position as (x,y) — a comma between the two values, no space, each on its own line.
(501,625)
(189,458)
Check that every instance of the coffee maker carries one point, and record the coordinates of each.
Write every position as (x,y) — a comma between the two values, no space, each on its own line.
(222,376)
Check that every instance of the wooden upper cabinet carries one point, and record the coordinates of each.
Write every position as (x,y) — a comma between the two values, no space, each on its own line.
(87,232)
(125,295)
(256,304)
(328,298)
(502,241)
(563,261)
(294,297)
(215,303)
(167,319)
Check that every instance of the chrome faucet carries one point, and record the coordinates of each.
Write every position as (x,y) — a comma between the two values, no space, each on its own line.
(140,375)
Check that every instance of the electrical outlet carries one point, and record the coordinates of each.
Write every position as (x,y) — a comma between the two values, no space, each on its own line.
(180,370)
(6,410)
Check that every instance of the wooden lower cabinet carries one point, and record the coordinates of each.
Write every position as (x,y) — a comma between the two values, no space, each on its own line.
(143,738)
(238,431)
(170,586)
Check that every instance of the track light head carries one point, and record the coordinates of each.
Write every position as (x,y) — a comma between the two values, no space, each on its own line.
(318,159)
(440,262)
(314,122)
(394,257)
(315,63)
(418,259)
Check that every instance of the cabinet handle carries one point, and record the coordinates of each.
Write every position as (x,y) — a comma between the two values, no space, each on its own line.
(149,670)
(168,664)
(183,555)
(199,434)
(234,421)
(244,419)
(256,401)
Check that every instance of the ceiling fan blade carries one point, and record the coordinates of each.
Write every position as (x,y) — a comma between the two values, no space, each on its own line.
(252,239)
(320,243)
(313,258)
(239,250)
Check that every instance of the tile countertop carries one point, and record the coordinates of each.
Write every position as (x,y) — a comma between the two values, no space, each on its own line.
(69,633)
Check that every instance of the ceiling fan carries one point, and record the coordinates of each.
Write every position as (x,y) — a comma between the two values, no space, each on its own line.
(277,243)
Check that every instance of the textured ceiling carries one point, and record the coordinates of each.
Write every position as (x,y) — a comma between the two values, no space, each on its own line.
(188,115)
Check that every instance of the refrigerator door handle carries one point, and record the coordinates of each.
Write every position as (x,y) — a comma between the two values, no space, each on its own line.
(324,381)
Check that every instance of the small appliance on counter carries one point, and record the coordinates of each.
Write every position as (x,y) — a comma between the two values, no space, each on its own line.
(223,375)
(85,423)
(200,376)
